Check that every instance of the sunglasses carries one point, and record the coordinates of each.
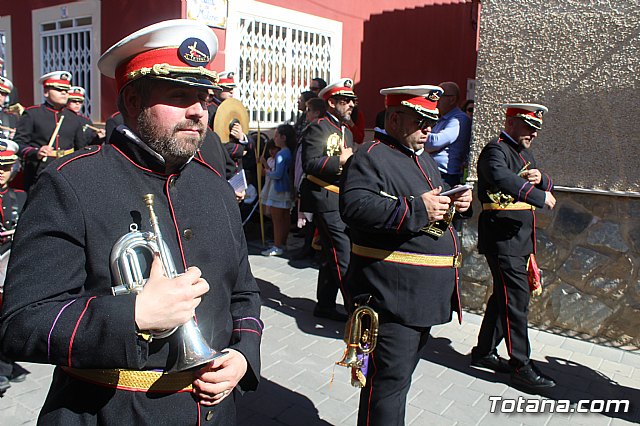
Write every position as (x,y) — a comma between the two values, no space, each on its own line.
(423,123)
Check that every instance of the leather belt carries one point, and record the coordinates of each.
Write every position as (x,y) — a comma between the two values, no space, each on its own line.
(436,260)
(135,381)
(511,206)
(329,187)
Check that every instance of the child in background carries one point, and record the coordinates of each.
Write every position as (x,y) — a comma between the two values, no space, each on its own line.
(268,164)
(279,198)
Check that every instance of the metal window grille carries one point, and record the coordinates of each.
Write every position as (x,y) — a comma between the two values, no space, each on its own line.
(65,45)
(276,63)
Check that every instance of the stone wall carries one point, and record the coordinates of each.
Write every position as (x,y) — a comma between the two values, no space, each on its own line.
(580,58)
(589,251)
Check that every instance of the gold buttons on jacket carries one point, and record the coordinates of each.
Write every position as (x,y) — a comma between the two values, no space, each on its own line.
(209,415)
(187,234)
(172,182)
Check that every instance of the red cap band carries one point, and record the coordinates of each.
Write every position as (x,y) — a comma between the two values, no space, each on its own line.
(226,81)
(163,55)
(397,99)
(54,82)
(4,89)
(512,112)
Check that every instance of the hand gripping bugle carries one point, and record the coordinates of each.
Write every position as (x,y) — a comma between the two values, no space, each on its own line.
(52,139)
(129,278)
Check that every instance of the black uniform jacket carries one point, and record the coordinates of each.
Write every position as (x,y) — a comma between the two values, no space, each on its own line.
(35,128)
(58,304)
(90,136)
(213,153)
(112,123)
(11,204)
(380,202)
(322,141)
(7,119)
(508,232)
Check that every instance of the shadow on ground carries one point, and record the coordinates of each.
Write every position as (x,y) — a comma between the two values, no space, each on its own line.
(575,381)
(299,308)
(275,405)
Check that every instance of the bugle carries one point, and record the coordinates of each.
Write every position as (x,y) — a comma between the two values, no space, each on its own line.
(360,343)
(129,278)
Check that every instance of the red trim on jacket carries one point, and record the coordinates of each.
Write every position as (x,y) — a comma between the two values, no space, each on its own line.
(73,335)
(138,165)
(200,160)
(79,156)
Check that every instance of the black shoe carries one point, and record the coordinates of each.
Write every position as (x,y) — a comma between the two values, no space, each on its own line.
(331,314)
(303,253)
(4,383)
(19,374)
(529,377)
(491,362)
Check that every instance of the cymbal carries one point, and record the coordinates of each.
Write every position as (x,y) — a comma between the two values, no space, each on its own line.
(230,111)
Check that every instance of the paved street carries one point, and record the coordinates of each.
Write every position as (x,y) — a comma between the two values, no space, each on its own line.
(299,351)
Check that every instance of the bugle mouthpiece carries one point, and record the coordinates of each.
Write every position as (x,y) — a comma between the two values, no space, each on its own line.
(148,199)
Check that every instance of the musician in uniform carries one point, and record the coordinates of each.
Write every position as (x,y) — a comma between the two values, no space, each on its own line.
(111,367)
(11,204)
(223,90)
(41,134)
(510,188)
(11,98)
(8,120)
(404,254)
(92,134)
(327,144)
(239,143)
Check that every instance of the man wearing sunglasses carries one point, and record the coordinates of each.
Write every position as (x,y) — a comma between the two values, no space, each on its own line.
(39,136)
(76,101)
(327,144)
(510,188)
(401,267)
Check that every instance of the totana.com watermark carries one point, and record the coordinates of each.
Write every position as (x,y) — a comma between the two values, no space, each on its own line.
(534,405)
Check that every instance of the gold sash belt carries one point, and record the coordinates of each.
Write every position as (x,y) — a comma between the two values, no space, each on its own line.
(61,152)
(329,187)
(511,206)
(135,381)
(437,260)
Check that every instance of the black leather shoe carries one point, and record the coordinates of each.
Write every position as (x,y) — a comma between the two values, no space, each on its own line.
(303,253)
(4,383)
(491,362)
(331,314)
(529,377)
(19,374)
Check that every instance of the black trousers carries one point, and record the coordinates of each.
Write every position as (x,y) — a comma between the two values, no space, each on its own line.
(507,310)
(391,364)
(336,249)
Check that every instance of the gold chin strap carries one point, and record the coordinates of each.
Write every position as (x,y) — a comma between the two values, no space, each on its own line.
(166,69)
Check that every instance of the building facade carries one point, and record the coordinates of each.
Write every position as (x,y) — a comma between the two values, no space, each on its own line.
(274,46)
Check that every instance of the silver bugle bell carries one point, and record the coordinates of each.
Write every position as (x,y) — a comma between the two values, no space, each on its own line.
(129,278)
